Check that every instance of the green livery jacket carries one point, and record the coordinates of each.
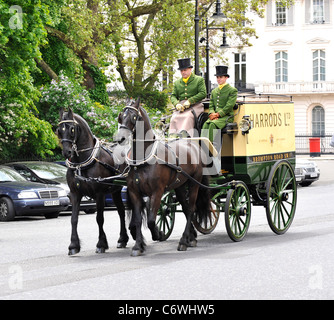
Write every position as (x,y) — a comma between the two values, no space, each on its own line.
(194,90)
(223,101)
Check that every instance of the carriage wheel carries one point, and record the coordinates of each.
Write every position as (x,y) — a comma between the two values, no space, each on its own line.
(209,224)
(281,197)
(237,211)
(166,214)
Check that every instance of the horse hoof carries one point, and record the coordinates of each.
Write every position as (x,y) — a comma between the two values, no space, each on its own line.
(100,250)
(121,245)
(193,243)
(136,253)
(72,252)
(182,247)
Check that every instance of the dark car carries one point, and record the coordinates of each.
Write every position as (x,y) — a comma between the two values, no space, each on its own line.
(55,173)
(51,174)
(19,197)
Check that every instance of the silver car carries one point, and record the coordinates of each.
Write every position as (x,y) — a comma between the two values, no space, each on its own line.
(306,172)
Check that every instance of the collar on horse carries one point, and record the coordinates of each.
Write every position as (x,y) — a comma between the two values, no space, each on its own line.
(89,161)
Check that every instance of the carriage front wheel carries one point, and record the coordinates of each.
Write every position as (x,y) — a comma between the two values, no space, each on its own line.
(237,211)
(166,214)
(281,197)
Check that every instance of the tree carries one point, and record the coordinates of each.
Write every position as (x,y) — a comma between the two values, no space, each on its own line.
(145,36)
(21,35)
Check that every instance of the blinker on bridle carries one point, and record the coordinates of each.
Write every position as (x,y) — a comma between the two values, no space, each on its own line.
(134,118)
(74,145)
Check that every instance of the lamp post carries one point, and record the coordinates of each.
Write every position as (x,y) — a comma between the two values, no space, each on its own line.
(196,39)
(218,15)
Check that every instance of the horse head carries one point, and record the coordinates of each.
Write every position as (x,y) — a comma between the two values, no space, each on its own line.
(129,119)
(74,133)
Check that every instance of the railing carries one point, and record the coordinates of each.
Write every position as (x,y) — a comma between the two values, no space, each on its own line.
(296,87)
(303,144)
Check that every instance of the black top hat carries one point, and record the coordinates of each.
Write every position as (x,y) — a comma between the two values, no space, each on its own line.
(184,63)
(222,71)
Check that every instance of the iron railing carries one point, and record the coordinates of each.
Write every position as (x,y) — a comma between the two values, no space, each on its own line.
(303,143)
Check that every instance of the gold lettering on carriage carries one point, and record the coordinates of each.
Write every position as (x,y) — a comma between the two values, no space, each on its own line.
(267,120)
(272,157)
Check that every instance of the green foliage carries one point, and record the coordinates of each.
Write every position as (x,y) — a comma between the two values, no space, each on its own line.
(63,94)
(153,99)
(99,93)
(66,94)
(21,35)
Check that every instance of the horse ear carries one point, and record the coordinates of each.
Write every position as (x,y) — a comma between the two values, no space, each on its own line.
(61,112)
(120,117)
(70,114)
(137,104)
(128,101)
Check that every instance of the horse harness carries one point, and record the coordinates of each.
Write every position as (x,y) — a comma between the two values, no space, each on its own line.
(93,157)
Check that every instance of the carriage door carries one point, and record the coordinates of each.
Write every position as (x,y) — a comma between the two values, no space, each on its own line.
(240,71)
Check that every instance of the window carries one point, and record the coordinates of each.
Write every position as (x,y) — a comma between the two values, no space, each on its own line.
(278,14)
(240,70)
(281,66)
(281,17)
(318,121)
(317,11)
(319,65)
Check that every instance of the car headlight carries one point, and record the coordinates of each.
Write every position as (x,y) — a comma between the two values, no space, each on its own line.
(27,195)
(62,193)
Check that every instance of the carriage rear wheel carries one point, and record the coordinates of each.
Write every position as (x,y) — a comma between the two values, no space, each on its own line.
(209,224)
(166,214)
(237,211)
(281,197)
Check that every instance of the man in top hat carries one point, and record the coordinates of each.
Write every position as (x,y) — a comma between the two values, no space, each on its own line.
(188,92)
(223,99)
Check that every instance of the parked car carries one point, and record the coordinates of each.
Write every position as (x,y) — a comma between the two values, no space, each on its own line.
(308,170)
(55,173)
(19,197)
(52,174)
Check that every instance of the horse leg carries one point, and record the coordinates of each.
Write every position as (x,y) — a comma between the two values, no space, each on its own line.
(102,244)
(189,235)
(151,215)
(135,225)
(74,246)
(123,236)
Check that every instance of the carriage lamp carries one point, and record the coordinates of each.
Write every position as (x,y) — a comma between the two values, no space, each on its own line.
(245,124)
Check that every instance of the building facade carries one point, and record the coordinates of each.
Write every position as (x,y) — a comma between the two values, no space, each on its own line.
(293,56)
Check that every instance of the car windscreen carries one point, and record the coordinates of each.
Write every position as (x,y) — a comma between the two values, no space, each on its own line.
(7,174)
(48,170)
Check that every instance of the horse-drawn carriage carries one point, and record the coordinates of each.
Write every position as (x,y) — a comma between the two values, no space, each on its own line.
(257,168)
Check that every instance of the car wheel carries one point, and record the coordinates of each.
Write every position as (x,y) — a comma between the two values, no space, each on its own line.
(7,212)
(51,215)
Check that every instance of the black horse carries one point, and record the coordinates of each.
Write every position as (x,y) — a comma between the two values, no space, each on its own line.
(156,167)
(87,158)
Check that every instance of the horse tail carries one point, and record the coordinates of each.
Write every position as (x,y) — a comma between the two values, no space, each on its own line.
(203,201)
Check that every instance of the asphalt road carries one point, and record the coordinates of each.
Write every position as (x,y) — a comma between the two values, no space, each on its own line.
(297,265)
